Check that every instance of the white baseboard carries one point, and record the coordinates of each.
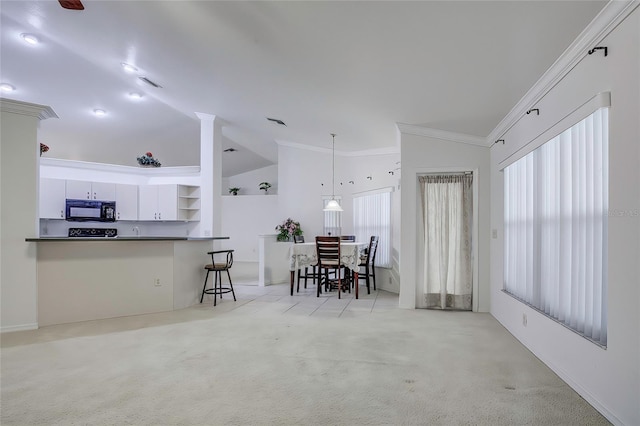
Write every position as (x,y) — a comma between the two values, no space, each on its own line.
(22,327)
(568,380)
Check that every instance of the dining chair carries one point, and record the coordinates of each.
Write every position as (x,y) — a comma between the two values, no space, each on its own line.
(369,263)
(328,252)
(217,268)
(306,275)
(346,272)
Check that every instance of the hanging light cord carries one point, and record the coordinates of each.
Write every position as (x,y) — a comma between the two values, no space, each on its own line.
(333,168)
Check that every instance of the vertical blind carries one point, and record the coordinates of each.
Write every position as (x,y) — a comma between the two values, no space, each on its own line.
(555,227)
(372,216)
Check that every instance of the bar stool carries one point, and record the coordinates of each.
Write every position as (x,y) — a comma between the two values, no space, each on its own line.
(217,268)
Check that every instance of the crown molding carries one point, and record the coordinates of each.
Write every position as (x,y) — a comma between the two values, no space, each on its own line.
(117,168)
(25,108)
(441,134)
(313,148)
(614,12)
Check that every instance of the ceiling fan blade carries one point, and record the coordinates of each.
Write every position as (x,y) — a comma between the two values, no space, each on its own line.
(72,4)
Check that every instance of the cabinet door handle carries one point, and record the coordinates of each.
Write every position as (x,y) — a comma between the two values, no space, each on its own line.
(62,214)
(88,196)
(155,215)
(159,215)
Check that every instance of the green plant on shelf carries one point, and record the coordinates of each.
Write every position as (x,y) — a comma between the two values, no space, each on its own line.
(264,186)
(234,190)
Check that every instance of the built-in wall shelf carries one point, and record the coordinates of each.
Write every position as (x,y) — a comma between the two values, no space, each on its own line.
(188,203)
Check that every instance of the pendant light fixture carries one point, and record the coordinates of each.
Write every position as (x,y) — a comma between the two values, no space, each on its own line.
(333,205)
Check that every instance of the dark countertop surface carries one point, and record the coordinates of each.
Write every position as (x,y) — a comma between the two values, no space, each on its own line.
(127,238)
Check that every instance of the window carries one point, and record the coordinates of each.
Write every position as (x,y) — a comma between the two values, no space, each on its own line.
(372,216)
(332,220)
(555,227)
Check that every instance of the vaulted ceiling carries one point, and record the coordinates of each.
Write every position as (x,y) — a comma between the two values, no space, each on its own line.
(355,68)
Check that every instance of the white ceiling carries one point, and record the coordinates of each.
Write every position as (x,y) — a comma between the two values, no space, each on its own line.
(352,68)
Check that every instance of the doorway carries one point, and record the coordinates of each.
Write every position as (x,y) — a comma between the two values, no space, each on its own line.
(446,235)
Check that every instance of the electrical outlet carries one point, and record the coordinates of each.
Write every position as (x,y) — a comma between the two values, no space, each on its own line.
(494,234)
(156,282)
(390,280)
(524,319)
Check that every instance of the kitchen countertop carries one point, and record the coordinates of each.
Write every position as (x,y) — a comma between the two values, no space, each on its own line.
(123,238)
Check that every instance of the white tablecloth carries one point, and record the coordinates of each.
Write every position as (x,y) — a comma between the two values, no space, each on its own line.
(304,254)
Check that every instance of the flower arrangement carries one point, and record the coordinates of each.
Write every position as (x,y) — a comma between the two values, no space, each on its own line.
(288,229)
(43,149)
(264,186)
(147,160)
(234,190)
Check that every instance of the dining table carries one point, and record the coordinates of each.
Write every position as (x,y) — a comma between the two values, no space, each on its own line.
(304,254)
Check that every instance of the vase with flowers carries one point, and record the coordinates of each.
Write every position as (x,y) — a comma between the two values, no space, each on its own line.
(43,148)
(288,229)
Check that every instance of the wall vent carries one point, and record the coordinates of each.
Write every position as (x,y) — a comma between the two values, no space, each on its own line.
(150,83)
(275,120)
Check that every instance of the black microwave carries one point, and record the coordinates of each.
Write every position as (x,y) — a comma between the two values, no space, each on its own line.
(90,210)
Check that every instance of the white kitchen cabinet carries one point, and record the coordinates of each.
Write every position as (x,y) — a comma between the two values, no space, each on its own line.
(84,190)
(169,202)
(52,198)
(126,202)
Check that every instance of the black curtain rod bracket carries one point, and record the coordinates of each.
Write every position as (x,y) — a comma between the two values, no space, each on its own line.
(499,140)
(534,109)
(606,50)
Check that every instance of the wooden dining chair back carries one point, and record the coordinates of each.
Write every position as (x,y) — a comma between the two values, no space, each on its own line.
(350,238)
(221,260)
(328,252)
(369,264)
(297,239)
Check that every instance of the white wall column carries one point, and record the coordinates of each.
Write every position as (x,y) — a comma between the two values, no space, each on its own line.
(210,175)
(19,178)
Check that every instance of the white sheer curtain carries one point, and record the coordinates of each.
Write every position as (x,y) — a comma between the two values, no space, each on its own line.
(447,203)
(372,216)
(555,227)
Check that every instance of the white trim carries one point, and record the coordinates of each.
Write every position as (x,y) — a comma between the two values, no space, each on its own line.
(25,108)
(377,151)
(23,327)
(117,168)
(584,393)
(601,100)
(609,17)
(441,134)
(374,191)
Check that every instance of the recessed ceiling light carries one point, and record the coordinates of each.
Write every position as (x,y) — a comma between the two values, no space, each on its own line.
(129,67)
(7,88)
(30,38)
(135,95)
(99,112)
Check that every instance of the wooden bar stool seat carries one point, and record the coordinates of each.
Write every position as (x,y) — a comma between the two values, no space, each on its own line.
(217,268)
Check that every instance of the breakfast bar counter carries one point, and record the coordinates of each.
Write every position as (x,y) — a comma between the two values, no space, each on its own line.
(119,238)
(80,278)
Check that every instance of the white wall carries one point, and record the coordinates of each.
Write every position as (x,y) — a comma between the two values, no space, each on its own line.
(248,182)
(19,160)
(244,217)
(422,154)
(608,378)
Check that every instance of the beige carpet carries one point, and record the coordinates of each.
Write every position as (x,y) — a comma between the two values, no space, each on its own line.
(279,360)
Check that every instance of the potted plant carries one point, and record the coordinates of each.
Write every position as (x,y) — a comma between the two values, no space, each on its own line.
(264,186)
(234,190)
(288,229)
